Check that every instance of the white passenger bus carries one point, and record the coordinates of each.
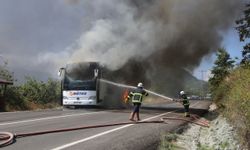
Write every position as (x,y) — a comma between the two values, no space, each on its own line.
(80,84)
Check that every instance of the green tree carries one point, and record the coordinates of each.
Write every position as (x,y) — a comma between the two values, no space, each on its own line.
(14,99)
(244,33)
(222,68)
(5,74)
(40,92)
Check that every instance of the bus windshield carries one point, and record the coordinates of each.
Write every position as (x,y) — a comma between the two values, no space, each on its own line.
(81,85)
(80,76)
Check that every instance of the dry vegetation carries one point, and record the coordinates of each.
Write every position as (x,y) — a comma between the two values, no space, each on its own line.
(233,99)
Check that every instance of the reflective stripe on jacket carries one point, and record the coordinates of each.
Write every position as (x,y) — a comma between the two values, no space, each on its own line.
(137,95)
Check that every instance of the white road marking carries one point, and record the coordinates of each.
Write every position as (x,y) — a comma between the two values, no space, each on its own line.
(48,118)
(25,111)
(109,131)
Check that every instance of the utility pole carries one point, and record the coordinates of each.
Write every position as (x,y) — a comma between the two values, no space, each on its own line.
(202,85)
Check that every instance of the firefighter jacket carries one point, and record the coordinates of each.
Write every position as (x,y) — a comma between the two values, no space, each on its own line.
(137,95)
(185,101)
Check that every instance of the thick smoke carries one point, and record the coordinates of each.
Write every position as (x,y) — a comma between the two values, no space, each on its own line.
(169,32)
(139,40)
(157,38)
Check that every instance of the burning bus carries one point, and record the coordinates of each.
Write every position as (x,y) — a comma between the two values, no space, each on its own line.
(80,84)
(86,83)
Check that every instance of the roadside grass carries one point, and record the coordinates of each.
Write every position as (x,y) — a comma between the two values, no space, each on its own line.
(233,99)
(167,142)
(217,137)
(222,146)
(205,147)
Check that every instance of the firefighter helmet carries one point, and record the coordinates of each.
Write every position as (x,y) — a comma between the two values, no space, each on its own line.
(140,85)
(182,92)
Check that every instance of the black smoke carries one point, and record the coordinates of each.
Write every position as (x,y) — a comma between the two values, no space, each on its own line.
(168,37)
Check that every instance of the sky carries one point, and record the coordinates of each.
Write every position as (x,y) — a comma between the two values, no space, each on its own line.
(39,36)
(233,46)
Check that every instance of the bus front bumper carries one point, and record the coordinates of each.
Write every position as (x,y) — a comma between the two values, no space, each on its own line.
(79,102)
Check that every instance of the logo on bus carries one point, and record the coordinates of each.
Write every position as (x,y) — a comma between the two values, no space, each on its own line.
(77,93)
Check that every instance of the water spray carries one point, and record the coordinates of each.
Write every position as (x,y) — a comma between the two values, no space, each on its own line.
(159,95)
(117,84)
(134,87)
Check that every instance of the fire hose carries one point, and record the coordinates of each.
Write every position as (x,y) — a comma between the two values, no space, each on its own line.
(7,138)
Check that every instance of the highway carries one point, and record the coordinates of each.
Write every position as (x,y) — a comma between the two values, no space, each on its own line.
(123,137)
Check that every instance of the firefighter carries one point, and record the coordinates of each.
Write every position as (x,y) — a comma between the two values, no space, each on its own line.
(136,96)
(185,103)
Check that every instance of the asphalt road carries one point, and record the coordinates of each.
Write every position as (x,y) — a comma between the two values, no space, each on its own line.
(124,137)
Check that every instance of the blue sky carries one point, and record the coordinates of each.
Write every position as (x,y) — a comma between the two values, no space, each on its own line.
(232,44)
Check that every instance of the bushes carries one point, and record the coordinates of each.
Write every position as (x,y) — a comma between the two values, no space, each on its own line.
(40,92)
(233,97)
(13,100)
(167,142)
(33,94)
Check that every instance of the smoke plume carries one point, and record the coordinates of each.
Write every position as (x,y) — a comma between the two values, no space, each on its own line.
(166,32)
(139,40)
(157,38)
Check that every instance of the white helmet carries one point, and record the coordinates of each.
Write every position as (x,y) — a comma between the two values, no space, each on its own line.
(182,92)
(140,85)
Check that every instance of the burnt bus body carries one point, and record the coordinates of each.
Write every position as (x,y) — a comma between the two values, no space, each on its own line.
(80,84)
